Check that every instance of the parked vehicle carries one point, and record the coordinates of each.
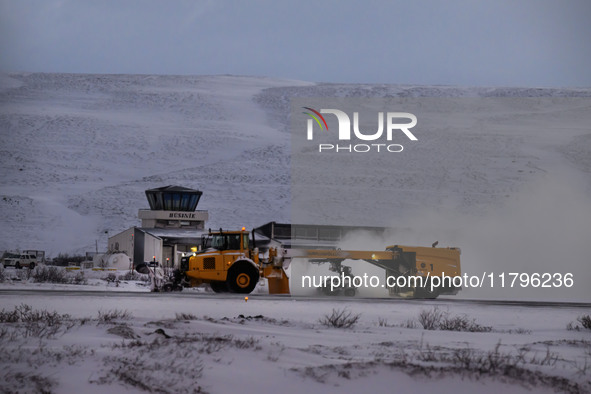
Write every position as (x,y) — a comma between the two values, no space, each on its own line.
(19,261)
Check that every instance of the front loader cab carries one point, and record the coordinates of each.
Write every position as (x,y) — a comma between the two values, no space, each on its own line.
(227,240)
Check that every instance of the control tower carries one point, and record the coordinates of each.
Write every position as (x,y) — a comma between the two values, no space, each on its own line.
(171,226)
(173,207)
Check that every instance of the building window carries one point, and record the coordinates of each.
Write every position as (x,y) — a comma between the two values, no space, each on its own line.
(173,198)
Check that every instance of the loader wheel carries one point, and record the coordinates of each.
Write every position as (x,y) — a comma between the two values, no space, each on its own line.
(327,291)
(219,287)
(167,287)
(242,278)
(31,266)
(350,292)
(425,292)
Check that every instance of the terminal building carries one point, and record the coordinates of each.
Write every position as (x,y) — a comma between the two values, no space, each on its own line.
(169,228)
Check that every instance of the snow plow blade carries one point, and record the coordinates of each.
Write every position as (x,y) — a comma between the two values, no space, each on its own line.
(277,279)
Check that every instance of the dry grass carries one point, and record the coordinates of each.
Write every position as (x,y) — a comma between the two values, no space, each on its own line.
(26,322)
(111,316)
(340,318)
(436,319)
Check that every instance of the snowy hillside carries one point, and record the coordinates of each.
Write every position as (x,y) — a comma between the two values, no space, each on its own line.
(78,151)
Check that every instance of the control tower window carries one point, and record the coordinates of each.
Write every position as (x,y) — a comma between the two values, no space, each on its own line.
(173,198)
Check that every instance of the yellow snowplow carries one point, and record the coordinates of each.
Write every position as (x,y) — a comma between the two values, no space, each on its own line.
(229,262)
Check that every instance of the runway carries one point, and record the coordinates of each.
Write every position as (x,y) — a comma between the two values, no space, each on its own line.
(340,300)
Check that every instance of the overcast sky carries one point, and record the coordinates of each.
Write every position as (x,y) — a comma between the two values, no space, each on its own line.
(451,42)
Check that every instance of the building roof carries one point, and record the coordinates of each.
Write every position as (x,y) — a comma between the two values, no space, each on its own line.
(171,188)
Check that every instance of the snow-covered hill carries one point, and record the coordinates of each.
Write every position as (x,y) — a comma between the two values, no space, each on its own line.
(78,151)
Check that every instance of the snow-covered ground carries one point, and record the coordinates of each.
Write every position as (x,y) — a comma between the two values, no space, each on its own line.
(204,342)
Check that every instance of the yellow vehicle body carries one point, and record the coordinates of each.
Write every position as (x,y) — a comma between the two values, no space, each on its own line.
(435,261)
(430,262)
(227,250)
(397,260)
(229,263)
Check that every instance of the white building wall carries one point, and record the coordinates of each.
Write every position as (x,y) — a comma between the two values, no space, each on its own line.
(122,242)
(152,247)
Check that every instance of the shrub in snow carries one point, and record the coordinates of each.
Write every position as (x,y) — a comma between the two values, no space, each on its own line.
(123,330)
(160,366)
(410,323)
(584,321)
(36,323)
(134,275)
(185,316)
(42,274)
(430,320)
(112,315)
(111,277)
(439,320)
(51,274)
(462,323)
(340,318)
(78,279)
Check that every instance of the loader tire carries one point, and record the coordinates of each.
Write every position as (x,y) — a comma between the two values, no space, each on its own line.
(328,291)
(425,292)
(31,266)
(242,278)
(350,292)
(219,287)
